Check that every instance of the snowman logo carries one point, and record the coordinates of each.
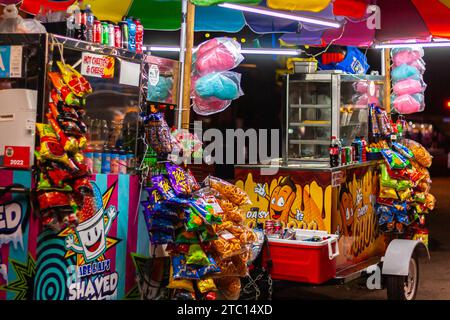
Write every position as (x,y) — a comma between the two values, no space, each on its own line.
(92,235)
(91,240)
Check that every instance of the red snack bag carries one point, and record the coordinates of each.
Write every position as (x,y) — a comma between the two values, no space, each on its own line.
(53,199)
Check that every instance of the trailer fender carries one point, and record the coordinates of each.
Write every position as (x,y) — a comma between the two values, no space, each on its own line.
(398,254)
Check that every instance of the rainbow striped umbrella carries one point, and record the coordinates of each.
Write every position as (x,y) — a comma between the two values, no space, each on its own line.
(400,19)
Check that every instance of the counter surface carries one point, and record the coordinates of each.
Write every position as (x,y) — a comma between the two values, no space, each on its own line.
(310,167)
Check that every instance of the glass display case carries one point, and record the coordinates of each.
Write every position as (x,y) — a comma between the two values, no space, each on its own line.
(321,105)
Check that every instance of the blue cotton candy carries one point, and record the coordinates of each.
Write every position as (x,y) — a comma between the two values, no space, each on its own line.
(403,72)
(217,85)
(161,91)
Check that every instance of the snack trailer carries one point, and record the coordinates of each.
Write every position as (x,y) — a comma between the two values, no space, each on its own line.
(335,205)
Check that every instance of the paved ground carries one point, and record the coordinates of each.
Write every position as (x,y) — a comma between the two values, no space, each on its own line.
(434,275)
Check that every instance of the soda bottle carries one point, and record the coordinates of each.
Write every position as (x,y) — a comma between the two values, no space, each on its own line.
(122,161)
(139,35)
(106,159)
(131,161)
(89,159)
(77,26)
(363,150)
(97,32)
(357,147)
(89,24)
(105,34)
(124,31)
(114,161)
(82,29)
(117,37)
(334,152)
(97,162)
(131,35)
(111,35)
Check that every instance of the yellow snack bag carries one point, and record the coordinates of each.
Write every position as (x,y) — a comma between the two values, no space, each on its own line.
(206,285)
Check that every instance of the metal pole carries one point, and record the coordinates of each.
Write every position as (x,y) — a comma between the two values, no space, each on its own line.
(185,114)
(184,5)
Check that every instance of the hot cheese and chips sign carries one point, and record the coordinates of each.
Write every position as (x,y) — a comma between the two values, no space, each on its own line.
(96,65)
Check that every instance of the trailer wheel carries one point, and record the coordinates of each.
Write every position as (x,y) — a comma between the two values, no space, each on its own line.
(404,287)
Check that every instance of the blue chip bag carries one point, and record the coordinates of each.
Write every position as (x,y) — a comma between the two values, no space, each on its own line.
(161,237)
(394,160)
(183,271)
(163,186)
(404,151)
(385,214)
(211,268)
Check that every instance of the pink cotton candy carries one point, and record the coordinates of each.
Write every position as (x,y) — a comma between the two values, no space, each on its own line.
(373,100)
(361,86)
(362,100)
(209,105)
(408,86)
(219,54)
(405,56)
(406,104)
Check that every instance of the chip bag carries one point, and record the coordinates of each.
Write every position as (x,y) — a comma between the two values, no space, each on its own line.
(50,149)
(404,151)
(394,160)
(229,191)
(206,285)
(178,179)
(181,270)
(421,155)
(162,185)
(196,256)
(181,284)
(386,192)
(210,269)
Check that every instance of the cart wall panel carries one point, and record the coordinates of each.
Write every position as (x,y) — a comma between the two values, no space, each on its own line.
(315,204)
(39,266)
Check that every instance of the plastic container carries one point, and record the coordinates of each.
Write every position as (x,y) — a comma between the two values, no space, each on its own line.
(304,261)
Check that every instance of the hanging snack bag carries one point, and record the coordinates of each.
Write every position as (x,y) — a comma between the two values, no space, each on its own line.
(158,133)
(229,191)
(404,151)
(192,181)
(181,284)
(389,193)
(181,270)
(394,160)
(421,155)
(178,179)
(187,237)
(196,256)
(386,180)
(206,285)
(50,149)
(210,269)
(162,185)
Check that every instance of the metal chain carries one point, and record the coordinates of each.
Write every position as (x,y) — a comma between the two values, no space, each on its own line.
(270,282)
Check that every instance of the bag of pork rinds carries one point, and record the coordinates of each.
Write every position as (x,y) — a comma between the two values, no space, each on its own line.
(229,191)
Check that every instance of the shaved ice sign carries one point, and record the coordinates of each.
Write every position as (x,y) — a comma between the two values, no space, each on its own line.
(10,224)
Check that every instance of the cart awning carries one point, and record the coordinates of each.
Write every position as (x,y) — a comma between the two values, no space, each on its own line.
(400,19)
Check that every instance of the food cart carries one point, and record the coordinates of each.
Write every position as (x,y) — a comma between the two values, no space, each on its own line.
(306,193)
(42,264)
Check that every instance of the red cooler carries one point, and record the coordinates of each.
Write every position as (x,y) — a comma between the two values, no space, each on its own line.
(305,261)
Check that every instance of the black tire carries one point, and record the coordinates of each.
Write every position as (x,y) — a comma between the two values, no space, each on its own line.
(397,286)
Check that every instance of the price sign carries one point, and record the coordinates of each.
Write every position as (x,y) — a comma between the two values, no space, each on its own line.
(96,65)
(17,157)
